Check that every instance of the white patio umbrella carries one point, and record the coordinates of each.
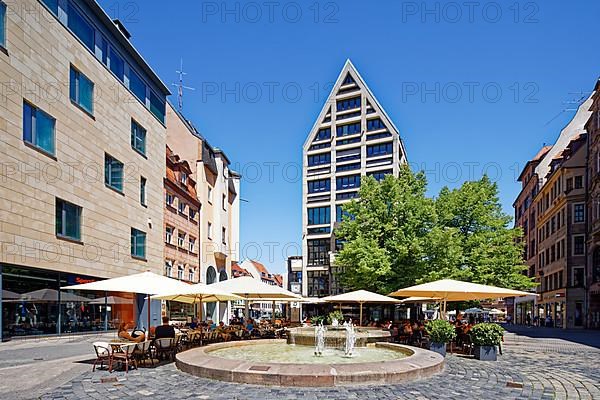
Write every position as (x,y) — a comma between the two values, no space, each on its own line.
(250,288)
(111,300)
(419,300)
(473,310)
(361,297)
(147,283)
(198,293)
(451,290)
(8,295)
(495,311)
(51,295)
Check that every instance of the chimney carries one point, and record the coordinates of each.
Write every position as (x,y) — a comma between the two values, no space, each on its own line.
(122,28)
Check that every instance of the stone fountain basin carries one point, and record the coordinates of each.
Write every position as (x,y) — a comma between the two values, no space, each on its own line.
(417,364)
(335,337)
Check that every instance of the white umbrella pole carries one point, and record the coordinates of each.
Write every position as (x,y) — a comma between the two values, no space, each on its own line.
(361,315)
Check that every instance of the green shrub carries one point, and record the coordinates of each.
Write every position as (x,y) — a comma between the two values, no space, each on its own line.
(337,314)
(486,334)
(440,331)
(317,320)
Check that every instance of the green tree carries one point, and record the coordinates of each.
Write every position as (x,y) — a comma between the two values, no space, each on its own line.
(386,235)
(396,236)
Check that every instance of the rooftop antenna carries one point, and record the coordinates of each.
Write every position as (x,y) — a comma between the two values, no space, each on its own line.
(582,96)
(181,87)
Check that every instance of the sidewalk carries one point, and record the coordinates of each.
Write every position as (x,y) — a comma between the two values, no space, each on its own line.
(582,336)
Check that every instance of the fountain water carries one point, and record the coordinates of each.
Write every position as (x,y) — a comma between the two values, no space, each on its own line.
(350,339)
(319,340)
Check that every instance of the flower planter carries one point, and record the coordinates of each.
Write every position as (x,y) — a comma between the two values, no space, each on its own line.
(439,348)
(485,353)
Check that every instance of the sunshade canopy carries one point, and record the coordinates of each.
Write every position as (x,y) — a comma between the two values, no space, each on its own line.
(196,294)
(419,300)
(253,289)
(451,290)
(360,296)
(51,295)
(473,311)
(111,300)
(8,295)
(495,311)
(145,283)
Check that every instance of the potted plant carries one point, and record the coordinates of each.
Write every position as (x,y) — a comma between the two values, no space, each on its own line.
(317,320)
(440,332)
(486,338)
(335,315)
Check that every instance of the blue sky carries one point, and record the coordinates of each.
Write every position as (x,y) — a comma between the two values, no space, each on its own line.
(471,88)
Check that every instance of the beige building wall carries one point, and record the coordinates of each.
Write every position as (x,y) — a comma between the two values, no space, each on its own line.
(40,51)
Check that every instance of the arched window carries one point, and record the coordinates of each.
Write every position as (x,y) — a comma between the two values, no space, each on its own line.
(596,265)
(211,275)
(180,272)
(168,268)
(191,275)
(222,275)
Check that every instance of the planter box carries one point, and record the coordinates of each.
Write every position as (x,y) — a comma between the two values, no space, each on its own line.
(485,353)
(439,348)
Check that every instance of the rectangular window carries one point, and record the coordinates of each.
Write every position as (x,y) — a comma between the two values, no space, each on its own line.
(347,182)
(143,191)
(209,195)
(169,234)
(578,213)
(181,206)
(117,65)
(224,202)
(113,173)
(169,199)
(321,185)
(68,220)
(319,159)
(578,277)
(379,175)
(578,245)
(192,214)
(569,184)
(137,86)
(157,107)
(323,134)
(340,214)
(38,128)
(192,244)
(138,137)
(375,124)
(80,27)
(319,216)
(209,231)
(318,251)
(81,90)
(224,235)
(2,24)
(379,149)
(181,239)
(579,182)
(350,129)
(191,275)
(138,243)
(347,167)
(348,104)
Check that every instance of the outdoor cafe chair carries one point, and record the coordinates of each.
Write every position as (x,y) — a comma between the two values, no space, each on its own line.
(165,347)
(125,355)
(142,352)
(103,354)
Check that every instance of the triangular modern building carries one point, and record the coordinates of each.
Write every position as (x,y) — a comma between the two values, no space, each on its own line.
(352,137)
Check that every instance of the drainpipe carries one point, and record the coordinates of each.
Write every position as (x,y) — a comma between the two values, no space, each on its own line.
(587,233)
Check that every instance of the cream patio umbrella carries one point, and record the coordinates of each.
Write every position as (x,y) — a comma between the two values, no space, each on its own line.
(419,300)
(147,283)
(197,293)
(361,297)
(451,290)
(250,288)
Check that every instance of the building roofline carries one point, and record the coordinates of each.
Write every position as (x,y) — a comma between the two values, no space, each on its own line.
(126,44)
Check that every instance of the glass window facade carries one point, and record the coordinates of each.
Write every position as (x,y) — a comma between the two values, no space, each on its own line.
(2,24)
(379,149)
(318,283)
(340,213)
(138,243)
(33,304)
(319,215)
(379,175)
(347,182)
(113,173)
(578,213)
(321,185)
(346,196)
(137,86)
(348,104)
(319,159)
(117,65)
(68,220)
(81,90)
(142,191)
(347,141)
(38,128)
(350,129)
(52,5)
(318,251)
(81,27)
(347,167)
(375,124)
(138,137)
(323,134)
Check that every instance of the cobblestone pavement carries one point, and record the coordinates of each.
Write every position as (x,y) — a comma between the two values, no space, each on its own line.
(531,368)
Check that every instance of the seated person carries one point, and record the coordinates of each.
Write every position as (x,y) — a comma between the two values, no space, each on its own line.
(165,330)
(123,333)
(223,331)
(194,323)
(249,326)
